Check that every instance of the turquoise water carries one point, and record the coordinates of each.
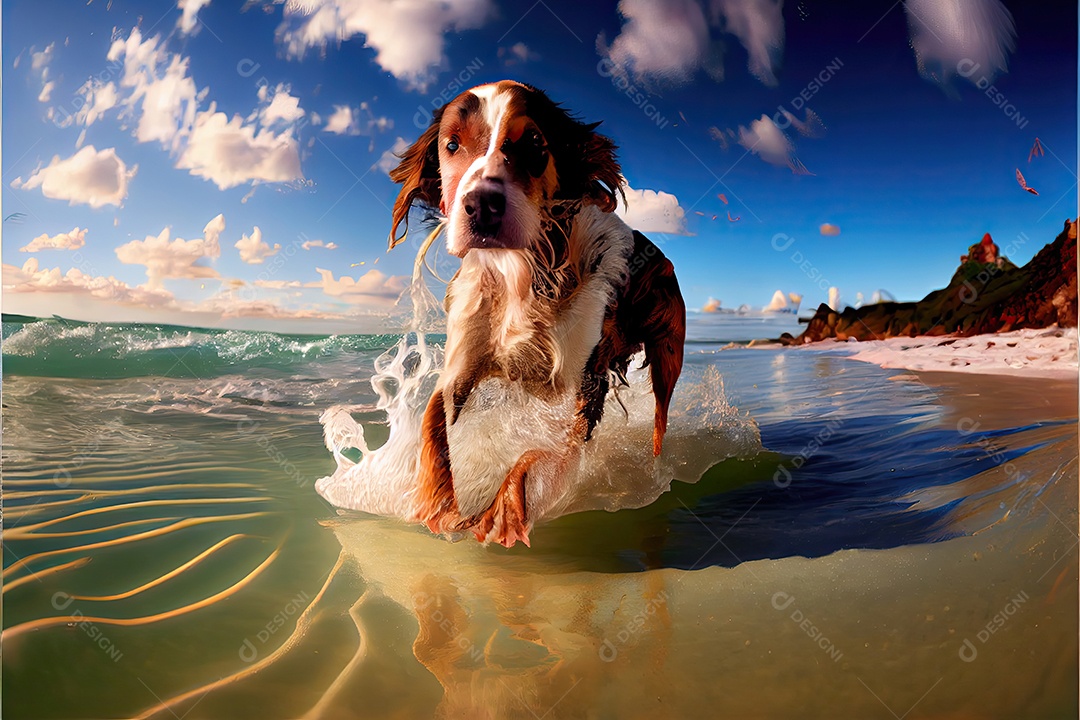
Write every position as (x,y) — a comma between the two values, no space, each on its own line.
(166,553)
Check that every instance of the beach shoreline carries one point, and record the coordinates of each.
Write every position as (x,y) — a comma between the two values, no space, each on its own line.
(1050,353)
(1044,353)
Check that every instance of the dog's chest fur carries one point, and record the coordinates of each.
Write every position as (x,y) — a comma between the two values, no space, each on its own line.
(523,339)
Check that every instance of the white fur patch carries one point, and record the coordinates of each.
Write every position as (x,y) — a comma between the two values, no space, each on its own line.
(483,446)
(520,219)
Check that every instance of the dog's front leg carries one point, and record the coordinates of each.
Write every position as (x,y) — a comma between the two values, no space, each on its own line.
(436,505)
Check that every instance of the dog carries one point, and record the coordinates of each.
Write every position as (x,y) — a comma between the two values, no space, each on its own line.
(554,295)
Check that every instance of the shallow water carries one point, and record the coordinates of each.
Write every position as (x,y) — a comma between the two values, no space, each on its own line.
(896,546)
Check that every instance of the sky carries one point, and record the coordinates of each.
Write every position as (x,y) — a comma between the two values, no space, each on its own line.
(222,163)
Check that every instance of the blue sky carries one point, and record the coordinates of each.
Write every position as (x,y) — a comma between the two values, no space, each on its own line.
(910,163)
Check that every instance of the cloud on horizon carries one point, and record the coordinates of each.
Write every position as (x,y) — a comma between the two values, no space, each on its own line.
(253,250)
(166,258)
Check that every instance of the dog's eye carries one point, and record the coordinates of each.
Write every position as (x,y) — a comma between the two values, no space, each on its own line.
(452,146)
(534,139)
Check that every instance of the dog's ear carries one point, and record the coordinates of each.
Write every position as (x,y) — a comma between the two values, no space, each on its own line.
(584,158)
(418,173)
(602,169)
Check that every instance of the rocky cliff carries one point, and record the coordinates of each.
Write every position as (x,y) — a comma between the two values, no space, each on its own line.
(987,294)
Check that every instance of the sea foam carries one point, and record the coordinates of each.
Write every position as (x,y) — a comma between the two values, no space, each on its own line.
(615,470)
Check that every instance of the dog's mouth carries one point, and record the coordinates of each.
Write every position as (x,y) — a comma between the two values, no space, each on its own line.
(488,219)
(484,237)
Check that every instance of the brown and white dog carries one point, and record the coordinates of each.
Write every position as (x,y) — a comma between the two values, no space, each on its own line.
(554,295)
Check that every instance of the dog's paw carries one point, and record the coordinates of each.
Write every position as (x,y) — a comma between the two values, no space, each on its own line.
(504,522)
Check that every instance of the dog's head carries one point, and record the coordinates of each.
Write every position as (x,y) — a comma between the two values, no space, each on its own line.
(495,160)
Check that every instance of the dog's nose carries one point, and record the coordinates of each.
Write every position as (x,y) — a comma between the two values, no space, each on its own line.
(485,206)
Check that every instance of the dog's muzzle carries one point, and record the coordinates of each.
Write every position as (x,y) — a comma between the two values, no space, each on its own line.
(485,206)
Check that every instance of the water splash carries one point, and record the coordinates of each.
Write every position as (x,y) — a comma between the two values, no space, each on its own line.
(615,470)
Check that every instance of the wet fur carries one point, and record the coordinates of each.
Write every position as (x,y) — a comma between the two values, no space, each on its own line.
(536,331)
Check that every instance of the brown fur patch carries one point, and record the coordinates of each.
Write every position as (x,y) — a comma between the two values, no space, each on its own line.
(435,490)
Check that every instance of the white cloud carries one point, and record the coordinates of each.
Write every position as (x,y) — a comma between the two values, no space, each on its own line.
(88,177)
(252,248)
(189,19)
(778,302)
(652,211)
(969,37)
(162,95)
(168,105)
(518,53)
(767,141)
(278,284)
(407,37)
(40,60)
(71,240)
(29,278)
(812,127)
(341,121)
(167,258)
(99,98)
(759,26)
(372,287)
(230,153)
(661,39)
(283,108)
(360,121)
(160,80)
(670,40)
(834,299)
(80,288)
(390,159)
(309,244)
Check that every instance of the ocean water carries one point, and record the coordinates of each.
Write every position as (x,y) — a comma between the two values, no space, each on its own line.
(859,542)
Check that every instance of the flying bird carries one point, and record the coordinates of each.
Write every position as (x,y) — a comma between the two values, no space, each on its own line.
(1023,183)
(733,219)
(723,198)
(16,218)
(1036,150)
(698,212)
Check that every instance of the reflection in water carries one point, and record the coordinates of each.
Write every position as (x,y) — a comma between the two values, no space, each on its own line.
(174,552)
